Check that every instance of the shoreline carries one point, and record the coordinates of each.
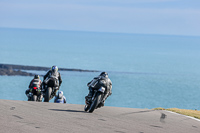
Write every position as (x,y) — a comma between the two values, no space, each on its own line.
(12,69)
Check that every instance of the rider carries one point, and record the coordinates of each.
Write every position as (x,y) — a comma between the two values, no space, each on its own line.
(96,83)
(36,81)
(60,98)
(53,73)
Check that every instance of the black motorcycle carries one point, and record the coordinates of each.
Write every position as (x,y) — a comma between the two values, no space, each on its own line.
(50,88)
(97,99)
(35,94)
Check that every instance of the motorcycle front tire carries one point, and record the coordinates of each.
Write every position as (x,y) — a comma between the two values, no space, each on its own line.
(95,103)
(48,94)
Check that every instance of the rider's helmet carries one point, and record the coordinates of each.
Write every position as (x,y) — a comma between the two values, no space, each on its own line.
(104,74)
(36,77)
(60,94)
(54,68)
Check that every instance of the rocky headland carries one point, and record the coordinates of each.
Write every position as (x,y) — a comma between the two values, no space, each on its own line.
(11,70)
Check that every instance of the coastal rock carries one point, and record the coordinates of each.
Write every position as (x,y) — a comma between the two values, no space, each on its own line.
(10,70)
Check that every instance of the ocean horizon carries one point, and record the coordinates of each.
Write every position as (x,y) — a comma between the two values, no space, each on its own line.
(147,71)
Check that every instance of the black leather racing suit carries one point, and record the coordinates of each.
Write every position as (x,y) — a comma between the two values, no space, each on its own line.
(96,83)
(55,75)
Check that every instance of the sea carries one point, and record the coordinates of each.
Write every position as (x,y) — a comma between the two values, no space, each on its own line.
(147,71)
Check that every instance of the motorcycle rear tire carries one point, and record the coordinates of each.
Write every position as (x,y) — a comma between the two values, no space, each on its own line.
(95,103)
(48,94)
(86,108)
(34,98)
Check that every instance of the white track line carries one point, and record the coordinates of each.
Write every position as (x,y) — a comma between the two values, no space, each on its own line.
(183,115)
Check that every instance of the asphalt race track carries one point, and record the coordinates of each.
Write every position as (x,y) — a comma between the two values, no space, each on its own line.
(34,117)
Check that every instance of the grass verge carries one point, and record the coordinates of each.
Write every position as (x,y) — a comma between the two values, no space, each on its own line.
(192,113)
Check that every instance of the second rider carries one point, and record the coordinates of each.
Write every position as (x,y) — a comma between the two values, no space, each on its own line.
(55,75)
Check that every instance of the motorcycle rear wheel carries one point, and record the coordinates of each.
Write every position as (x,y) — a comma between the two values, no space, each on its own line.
(34,98)
(86,108)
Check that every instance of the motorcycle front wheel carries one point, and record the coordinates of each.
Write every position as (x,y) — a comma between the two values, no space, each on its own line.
(95,103)
(48,94)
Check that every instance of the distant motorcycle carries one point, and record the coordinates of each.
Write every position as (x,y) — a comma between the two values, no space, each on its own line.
(35,95)
(50,88)
(96,100)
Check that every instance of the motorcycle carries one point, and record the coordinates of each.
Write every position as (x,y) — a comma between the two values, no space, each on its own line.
(35,95)
(97,99)
(51,86)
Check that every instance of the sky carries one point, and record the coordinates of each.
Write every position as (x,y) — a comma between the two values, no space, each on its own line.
(169,17)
